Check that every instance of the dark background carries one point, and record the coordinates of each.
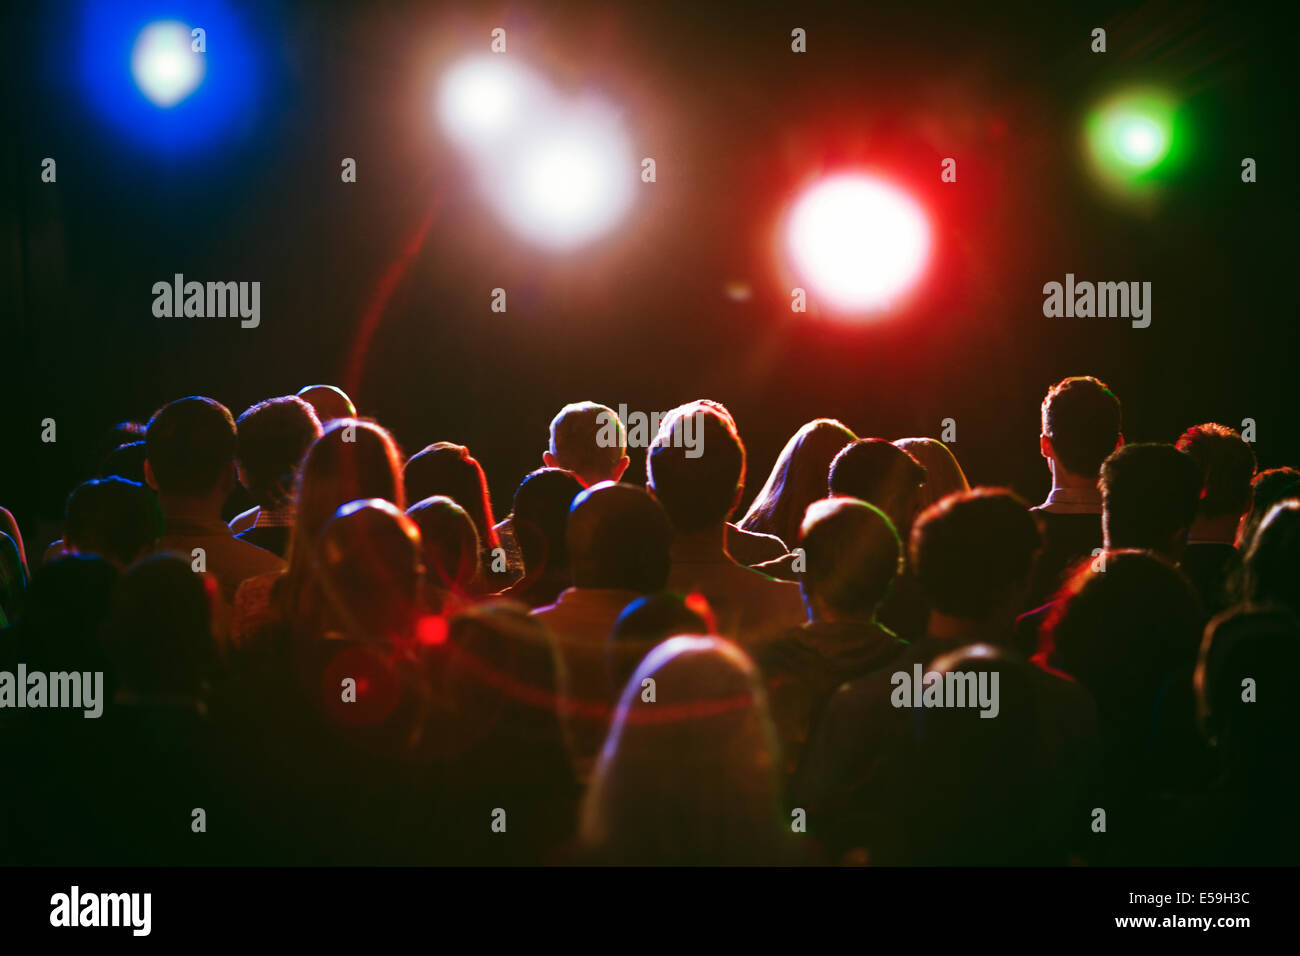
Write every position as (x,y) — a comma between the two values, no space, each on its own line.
(736,123)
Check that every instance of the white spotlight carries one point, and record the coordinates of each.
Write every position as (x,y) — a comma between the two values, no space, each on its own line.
(570,181)
(164,66)
(483,98)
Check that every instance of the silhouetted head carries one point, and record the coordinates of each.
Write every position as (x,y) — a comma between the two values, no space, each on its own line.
(692,777)
(125,461)
(1267,489)
(272,437)
(114,518)
(647,622)
(589,440)
(1149,493)
(973,554)
(190,449)
(1272,564)
(444,468)
(1244,698)
(159,634)
(619,537)
(452,556)
(881,473)
(328,402)
(943,475)
(64,613)
(798,478)
(1122,625)
(1081,425)
(695,466)
(540,516)
(1227,467)
(852,554)
(367,560)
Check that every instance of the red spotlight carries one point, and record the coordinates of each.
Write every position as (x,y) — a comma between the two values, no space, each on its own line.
(858,242)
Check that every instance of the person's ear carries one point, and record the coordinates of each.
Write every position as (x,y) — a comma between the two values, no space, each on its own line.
(1119,442)
(619,468)
(1045,447)
(149,479)
(549,460)
(228,479)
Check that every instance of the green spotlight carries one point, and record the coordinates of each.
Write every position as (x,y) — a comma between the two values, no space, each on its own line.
(1133,138)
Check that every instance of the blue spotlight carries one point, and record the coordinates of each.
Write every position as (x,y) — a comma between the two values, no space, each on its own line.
(147,75)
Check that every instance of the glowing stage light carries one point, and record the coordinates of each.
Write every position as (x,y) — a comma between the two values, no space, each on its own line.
(568,185)
(858,242)
(165,68)
(1133,139)
(481,99)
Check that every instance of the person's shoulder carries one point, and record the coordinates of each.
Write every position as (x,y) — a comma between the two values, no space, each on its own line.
(259,558)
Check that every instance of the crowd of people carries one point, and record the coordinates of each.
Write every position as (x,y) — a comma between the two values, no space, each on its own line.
(367,666)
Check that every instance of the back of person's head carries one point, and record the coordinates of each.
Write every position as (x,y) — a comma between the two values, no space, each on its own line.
(1267,489)
(125,461)
(1255,647)
(329,403)
(190,448)
(973,553)
(113,518)
(115,437)
(973,795)
(1149,493)
(879,472)
(589,440)
(852,555)
(647,622)
(1227,465)
(444,468)
(692,777)
(943,475)
(618,537)
(1122,624)
(367,560)
(1272,563)
(695,466)
(539,518)
(64,613)
(159,633)
(1082,421)
(452,556)
(797,479)
(352,459)
(272,437)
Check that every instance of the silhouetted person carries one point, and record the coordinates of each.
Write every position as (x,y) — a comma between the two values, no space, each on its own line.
(1267,489)
(853,555)
(190,445)
(538,520)
(452,558)
(447,469)
(1228,466)
(882,474)
(114,518)
(618,542)
(328,402)
(272,437)
(690,778)
(797,479)
(943,474)
(695,468)
(1272,565)
(1081,426)
(646,623)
